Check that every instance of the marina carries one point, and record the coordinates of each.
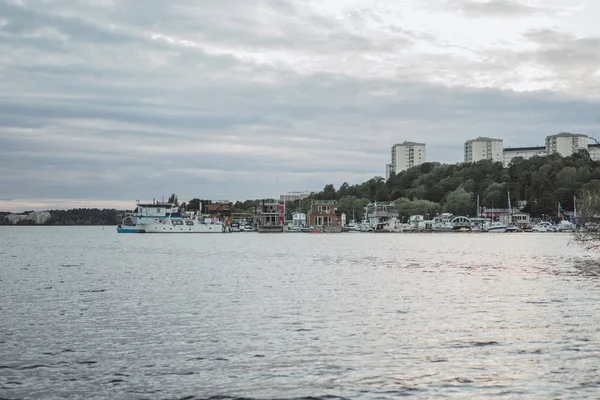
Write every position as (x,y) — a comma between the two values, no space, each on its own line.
(323,217)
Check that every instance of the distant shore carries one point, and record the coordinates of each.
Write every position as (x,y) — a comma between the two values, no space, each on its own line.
(73,217)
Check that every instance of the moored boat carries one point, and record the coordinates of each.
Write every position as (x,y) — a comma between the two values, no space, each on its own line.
(496,227)
(271,217)
(153,212)
(193,224)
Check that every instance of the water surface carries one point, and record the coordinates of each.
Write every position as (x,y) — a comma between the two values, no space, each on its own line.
(90,313)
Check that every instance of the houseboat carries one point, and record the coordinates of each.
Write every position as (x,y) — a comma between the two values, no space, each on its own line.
(324,217)
(271,217)
(379,213)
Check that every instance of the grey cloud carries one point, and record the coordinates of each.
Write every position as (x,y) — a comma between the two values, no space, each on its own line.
(563,50)
(23,20)
(113,114)
(491,8)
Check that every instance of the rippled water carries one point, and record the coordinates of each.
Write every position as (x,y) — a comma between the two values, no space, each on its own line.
(88,313)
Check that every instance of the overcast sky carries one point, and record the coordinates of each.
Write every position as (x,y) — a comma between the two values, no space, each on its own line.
(106,101)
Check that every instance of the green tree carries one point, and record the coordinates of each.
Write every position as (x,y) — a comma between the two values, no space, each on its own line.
(459,202)
(406,208)
(494,195)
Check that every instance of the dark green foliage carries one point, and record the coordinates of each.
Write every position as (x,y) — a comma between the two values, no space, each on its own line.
(173,200)
(196,204)
(248,206)
(85,216)
(541,182)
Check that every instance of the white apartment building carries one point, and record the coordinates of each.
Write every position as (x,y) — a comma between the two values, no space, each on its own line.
(388,171)
(483,148)
(409,154)
(406,155)
(562,143)
(525,152)
(294,196)
(594,150)
(565,143)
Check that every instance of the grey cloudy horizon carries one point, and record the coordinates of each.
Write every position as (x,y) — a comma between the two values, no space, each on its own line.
(104,102)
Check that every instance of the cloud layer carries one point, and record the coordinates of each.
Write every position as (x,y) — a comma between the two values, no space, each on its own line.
(120,100)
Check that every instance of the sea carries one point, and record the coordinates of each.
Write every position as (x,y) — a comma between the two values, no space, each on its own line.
(89,313)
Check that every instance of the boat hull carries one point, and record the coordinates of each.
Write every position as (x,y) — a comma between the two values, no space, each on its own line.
(132,229)
(185,228)
(270,229)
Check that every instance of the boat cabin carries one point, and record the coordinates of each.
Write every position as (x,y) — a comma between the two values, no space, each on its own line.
(379,213)
(271,216)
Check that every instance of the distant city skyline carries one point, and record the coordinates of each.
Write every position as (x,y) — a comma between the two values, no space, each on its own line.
(103,104)
(486,148)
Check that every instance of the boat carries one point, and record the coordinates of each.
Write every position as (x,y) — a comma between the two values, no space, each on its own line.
(152,212)
(565,226)
(193,224)
(247,228)
(543,226)
(378,214)
(271,217)
(496,227)
(513,228)
(393,225)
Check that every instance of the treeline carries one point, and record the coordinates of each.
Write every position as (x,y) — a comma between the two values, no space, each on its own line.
(85,216)
(538,184)
(79,216)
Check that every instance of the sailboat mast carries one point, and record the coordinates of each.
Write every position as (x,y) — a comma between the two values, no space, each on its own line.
(558,209)
(510,211)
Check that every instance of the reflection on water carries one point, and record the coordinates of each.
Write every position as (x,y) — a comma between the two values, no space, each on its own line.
(89,313)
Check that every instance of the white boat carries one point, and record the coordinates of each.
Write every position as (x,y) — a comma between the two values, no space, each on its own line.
(193,224)
(496,227)
(393,225)
(153,212)
(565,226)
(543,227)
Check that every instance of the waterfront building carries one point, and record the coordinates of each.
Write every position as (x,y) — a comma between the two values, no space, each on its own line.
(220,211)
(406,155)
(298,219)
(378,214)
(271,216)
(323,215)
(483,148)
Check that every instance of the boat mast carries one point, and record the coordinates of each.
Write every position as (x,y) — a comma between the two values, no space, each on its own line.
(477,214)
(558,209)
(510,211)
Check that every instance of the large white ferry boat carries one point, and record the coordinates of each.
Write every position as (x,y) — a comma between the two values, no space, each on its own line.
(192,224)
(153,212)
